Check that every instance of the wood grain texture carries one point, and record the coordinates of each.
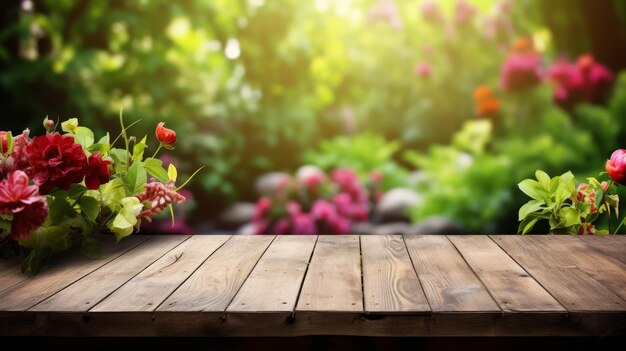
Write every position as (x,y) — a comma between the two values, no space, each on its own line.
(275,282)
(604,268)
(612,247)
(390,283)
(93,288)
(333,281)
(36,289)
(558,274)
(449,283)
(510,285)
(215,283)
(154,284)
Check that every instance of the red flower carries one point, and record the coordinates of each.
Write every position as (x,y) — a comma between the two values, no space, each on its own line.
(5,142)
(166,136)
(29,210)
(56,161)
(97,171)
(520,71)
(616,166)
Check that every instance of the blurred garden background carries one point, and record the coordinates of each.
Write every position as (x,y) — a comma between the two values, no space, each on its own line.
(395,115)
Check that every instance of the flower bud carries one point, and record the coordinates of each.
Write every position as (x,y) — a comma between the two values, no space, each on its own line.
(616,166)
(49,125)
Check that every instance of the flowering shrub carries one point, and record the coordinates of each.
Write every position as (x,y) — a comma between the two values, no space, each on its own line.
(313,203)
(572,208)
(58,187)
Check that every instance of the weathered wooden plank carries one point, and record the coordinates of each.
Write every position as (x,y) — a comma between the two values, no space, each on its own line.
(449,283)
(33,290)
(6,263)
(613,246)
(333,281)
(212,287)
(274,284)
(571,286)
(154,284)
(510,285)
(93,288)
(580,252)
(390,283)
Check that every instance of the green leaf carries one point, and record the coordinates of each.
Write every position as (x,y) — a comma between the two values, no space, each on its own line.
(103,145)
(58,209)
(35,261)
(84,136)
(172,173)
(527,224)
(91,247)
(138,149)
(532,188)
(543,178)
(124,222)
(530,207)
(154,166)
(75,191)
(90,207)
(570,216)
(120,160)
(135,179)
(112,193)
(70,125)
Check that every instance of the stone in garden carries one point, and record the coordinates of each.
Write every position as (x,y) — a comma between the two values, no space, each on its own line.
(307,171)
(362,228)
(438,225)
(236,215)
(395,228)
(268,184)
(247,229)
(396,204)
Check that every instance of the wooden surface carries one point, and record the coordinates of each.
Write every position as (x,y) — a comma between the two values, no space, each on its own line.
(390,285)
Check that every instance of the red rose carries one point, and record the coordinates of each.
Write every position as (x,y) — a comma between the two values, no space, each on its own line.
(29,210)
(56,161)
(616,166)
(97,171)
(167,137)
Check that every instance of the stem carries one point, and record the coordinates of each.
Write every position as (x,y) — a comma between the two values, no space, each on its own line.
(619,226)
(157,150)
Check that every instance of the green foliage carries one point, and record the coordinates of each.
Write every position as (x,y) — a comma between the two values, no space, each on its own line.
(362,153)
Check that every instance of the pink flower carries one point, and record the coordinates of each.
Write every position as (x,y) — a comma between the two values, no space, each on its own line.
(262,207)
(18,159)
(422,69)
(343,202)
(340,225)
(282,226)
(29,210)
(616,166)
(385,11)
(293,209)
(158,196)
(585,80)
(520,71)
(97,172)
(304,224)
(56,161)
(323,210)
(5,142)
(463,12)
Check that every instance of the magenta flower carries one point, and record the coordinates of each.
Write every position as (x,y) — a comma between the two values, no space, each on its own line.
(282,226)
(262,207)
(585,80)
(304,224)
(616,166)
(520,71)
(21,200)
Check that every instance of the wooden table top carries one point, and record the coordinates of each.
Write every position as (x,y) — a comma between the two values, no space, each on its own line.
(392,285)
